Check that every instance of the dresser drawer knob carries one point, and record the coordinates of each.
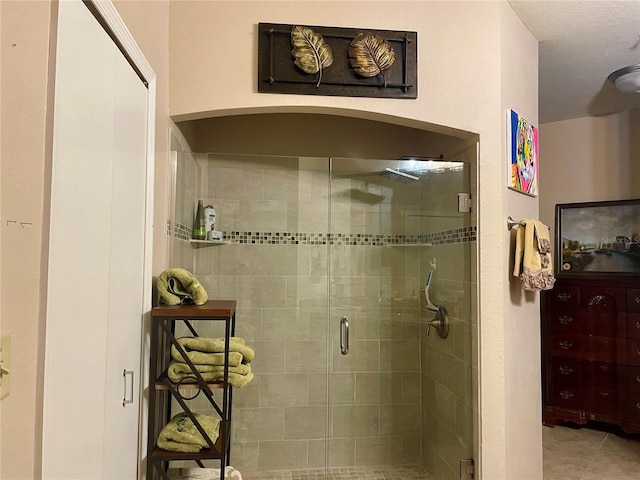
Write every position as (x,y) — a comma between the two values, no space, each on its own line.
(566,370)
(566,345)
(566,320)
(638,351)
(604,394)
(638,405)
(637,299)
(567,395)
(638,325)
(564,297)
(638,378)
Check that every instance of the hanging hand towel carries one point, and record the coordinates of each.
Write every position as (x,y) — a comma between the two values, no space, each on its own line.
(533,256)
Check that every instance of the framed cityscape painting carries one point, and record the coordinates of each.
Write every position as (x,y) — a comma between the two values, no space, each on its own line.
(598,238)
(522,154)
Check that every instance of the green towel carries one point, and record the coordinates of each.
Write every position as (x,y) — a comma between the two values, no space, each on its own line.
(181,435)
(239,376)
(178,286)
(209,351)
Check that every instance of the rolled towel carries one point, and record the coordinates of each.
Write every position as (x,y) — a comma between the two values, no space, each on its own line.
(181,435)
(239,377)
(207,351)
(197,473)
(178,286)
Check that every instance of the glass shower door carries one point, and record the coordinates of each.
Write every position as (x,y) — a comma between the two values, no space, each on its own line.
(399,400)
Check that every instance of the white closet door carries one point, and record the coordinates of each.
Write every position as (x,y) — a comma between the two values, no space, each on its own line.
(94,306)
(125,273)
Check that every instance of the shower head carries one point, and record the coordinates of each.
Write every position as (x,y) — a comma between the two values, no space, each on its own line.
(398,176)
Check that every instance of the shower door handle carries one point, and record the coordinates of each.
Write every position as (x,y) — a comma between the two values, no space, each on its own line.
(344,335)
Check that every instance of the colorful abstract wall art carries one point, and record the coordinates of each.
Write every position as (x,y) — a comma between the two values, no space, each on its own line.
(522,139)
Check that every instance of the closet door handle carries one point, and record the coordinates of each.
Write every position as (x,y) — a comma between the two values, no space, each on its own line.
(126,401)
(344,335)
(564,297)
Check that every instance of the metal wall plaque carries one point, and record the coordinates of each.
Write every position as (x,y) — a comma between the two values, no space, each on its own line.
(349,62)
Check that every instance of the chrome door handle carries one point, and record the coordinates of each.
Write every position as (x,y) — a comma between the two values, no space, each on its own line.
(344,335)
(126,401)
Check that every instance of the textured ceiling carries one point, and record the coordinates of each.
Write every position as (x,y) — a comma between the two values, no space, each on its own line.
(581,43)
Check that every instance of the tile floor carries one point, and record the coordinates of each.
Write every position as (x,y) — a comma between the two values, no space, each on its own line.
(351,473)
(589,454)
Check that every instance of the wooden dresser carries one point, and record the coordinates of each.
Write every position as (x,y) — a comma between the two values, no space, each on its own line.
(591,351)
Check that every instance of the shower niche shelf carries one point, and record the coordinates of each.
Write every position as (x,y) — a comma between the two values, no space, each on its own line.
(204,243)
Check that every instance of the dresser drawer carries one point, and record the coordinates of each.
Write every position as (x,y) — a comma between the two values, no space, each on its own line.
(633,300)
(565,372)
(602,349)
(564,320)
(565,298)
(565,397)
(565,345)
(599,375)
(603,401)
(633,352)
(633,325)
(633,379)
(632,404)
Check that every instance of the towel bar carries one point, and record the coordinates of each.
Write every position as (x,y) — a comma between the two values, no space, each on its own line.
(515,223)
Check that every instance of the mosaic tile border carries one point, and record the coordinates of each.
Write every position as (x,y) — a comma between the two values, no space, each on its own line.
(457,235)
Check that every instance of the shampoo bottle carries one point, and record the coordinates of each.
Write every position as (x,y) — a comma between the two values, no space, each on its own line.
(199,229)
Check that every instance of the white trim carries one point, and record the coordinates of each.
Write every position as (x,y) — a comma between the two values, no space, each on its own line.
(112,19)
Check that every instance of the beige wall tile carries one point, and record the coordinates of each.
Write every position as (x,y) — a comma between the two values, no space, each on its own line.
(306,292)
(364,356)
(342,452)
(262,215)
(355,421)
(282,455)
(285,324)
(261,291)
(244,456)
(249,324)
(378,387)
(269,357)
(379,451)
(317,453)
(284,389)
(309,356)
(305,422)
(400,420)
(251,424)
(400,355)
(341,388)
(249,396)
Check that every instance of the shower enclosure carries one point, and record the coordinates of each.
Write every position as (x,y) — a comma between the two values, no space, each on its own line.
(328,259)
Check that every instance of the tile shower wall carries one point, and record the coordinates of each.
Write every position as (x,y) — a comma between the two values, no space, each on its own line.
(276,214)
(449,368)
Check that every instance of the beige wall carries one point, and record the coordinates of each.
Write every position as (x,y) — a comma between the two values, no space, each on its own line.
(589,159)
(26,29)
(522,378)
(467,80)
(25,53)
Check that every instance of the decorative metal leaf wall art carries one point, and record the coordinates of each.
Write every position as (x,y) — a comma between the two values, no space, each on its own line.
(370,55)
(315,60)
(311,52)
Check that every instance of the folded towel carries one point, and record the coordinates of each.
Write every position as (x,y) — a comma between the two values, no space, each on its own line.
(533,256)
(181,435)
(209,351)
(178,286)
(239,376)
